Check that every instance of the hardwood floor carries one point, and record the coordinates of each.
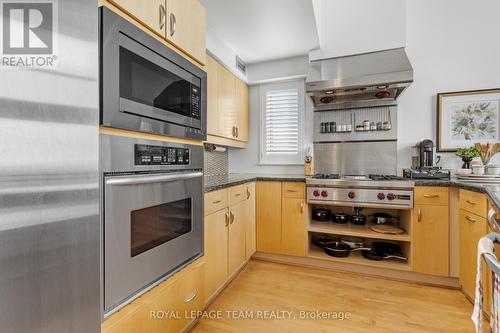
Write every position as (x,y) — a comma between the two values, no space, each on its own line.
(375,304)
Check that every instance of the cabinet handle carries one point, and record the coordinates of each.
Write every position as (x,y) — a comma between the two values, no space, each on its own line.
(191,298)
(471,219)
(226,219)
(419,215)
(293,191)
(470,202)
(231,217)
(173,24)
(237,194)
(234,131)
(216,201)
(237,132)
(162,14)
(248,193)
(302,207)
(431,196)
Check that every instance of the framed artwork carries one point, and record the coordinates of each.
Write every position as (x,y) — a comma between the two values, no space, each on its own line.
(467,117)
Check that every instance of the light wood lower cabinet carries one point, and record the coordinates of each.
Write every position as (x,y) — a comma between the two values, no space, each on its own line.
(216,250)
(268,216)
(281,218)
(293,227)
(431,232)
(229,233)
(182,292)
(472,228)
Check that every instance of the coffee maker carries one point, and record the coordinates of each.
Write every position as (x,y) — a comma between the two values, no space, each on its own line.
(424,163)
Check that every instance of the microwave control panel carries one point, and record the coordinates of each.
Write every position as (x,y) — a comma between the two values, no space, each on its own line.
(158,155)
(195,102)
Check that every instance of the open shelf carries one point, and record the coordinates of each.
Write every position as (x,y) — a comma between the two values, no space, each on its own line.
(349,229)
(356,258)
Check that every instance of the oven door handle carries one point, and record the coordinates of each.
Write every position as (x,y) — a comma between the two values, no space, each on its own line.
(148,179)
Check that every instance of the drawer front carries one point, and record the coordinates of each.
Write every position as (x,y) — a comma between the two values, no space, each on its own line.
(215,201)
(238,193)
(431,195)
(473,202)
(294,190)
(191,289)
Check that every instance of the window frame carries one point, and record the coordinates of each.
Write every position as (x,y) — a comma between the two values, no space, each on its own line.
(282,158)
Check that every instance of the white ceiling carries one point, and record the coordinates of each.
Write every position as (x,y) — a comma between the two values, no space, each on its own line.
(260,30)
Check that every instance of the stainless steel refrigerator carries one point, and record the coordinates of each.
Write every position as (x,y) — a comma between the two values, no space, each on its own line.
(49,196)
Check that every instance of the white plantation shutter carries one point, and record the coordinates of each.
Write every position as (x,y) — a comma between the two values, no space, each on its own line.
(282,108)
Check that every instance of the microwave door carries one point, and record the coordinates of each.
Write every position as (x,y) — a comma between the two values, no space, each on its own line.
(152,86)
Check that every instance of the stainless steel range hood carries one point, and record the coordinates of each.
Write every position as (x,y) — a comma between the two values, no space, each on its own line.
(369,79)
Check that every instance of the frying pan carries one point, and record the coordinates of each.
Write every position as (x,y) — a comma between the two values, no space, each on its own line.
(373,254)
(340,250)
(386,248)
(323,240)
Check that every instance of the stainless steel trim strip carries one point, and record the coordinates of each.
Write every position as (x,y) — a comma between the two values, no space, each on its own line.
(120,181)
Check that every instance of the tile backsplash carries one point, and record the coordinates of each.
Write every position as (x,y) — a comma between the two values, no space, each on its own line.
(216,162)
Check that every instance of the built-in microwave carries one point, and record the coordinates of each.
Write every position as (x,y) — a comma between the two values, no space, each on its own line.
(145,85)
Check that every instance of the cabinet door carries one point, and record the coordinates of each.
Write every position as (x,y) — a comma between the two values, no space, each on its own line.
(212,96)
(293,227)
(186,23)
(216,242)
(250,245)
(268,216)
(226,101)
(431,240)
(151,13)
(241,111)
(236,241)
(472,228)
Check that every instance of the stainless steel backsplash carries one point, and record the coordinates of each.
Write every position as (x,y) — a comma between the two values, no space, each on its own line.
(356,158)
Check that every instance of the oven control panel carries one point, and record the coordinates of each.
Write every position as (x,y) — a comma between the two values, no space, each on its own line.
(158,155)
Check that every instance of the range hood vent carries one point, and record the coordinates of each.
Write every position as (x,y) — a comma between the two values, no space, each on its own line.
(363,80)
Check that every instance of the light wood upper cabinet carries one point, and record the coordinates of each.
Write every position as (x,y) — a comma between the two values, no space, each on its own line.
(293,227)
(236,242)
(216,243)
(241,111)
(226,113)
(472,228)
(151,13)
(186,25)
(431,239)
(268,217)
(212,69)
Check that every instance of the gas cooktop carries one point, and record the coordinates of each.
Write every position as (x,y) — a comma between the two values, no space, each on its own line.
(361,190)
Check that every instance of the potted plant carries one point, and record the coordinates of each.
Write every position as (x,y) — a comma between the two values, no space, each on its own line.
(467,154)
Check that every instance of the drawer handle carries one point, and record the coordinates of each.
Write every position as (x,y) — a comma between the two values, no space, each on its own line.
(470,202)
(471,219)
(419,215)
(237,195)
(293,191)
(431,196)
(191,298)
(216,201)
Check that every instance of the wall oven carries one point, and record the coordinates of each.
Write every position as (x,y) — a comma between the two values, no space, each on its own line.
(146,86)
(152,214)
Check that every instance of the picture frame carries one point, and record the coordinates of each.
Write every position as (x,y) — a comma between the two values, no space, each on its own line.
(467,117)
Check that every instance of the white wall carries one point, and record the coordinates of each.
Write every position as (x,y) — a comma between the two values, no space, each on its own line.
(453,46)
(223,53)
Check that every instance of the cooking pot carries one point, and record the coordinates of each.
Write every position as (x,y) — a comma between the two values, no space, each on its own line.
(321,214)
(340,218)
(358,219)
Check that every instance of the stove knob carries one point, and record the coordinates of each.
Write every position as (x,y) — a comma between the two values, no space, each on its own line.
(324,194)
(316,193)
(391,196)
(381,196)
(351,195)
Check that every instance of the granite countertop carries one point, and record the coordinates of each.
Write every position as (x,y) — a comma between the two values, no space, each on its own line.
(217,182)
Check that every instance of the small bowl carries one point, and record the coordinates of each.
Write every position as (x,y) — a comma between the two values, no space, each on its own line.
(478,170)
(493,169)
(464,171)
